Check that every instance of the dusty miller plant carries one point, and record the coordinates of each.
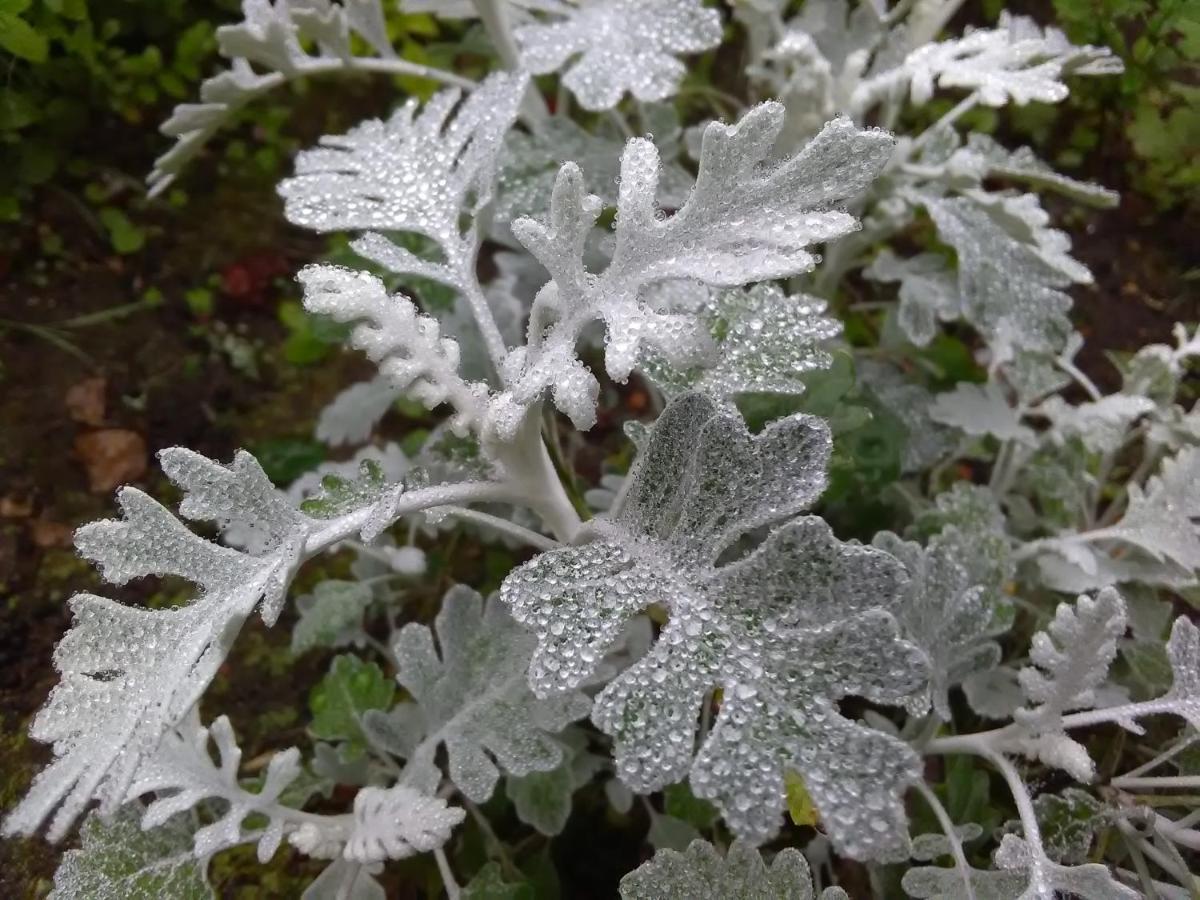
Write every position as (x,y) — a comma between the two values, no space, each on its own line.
(708,627)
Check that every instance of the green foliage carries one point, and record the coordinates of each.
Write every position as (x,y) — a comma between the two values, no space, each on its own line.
(489,884)
(79,65)
(1155,103)
(339,495)
(286,459)
(349,689)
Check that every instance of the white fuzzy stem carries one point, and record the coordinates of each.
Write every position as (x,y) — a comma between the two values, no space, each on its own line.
(947,825)
(504,526)
(453,891)
(495,20)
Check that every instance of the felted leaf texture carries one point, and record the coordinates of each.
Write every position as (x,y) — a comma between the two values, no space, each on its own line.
(981,410)
(619,46)
(1015,62)
(267,49)
(945,613)
(418,171)
(1020,874)
(181,774)
(118,860)
(1161,519)
(398,822)
(701,873)
(928,292)
(530,162)
(784,630)
(1101,425)
(983,158)
(408,346)
(129,674)
(474,697)
(1011,270)
(1070,661)
(766,341)
(744,222)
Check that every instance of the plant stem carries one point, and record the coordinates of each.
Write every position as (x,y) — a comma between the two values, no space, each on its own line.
(453,891)
(495,20)
(960,109)
(947,824)
(1153,782)
(531,473)
(504,526)
(482,311)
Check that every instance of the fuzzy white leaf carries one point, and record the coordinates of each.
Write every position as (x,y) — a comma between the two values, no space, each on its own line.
(181,774)
(1183,651)
(981,410)
(271,36)
(1070,661)
(117,860)
(701,873)
(474,697)
(1011,270)
(742,223)
(1015,62)
(530,164)
(1101,425)
(766,340)
(1021,874)
(994,693)
(783,631)
(928,292)
(1161,518)
(944,613)
(354,412)
(983,158)
(130,674)
(928,441)
(398,822)
(418,171)
(344,880)
(407,346)
(331,615)
(619,46)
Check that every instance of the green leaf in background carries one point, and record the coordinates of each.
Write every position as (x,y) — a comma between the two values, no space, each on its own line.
(489,884)
(340,495)
(116,860)
(286,459)
(669,833)
(1069,822)
(543,799)
(310,338)
(349,689)
(680,802)
(799,803)
(17,36)
(124,235)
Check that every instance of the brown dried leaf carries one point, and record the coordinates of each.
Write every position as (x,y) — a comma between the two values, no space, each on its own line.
(47,534)
(112,456)
(86,400)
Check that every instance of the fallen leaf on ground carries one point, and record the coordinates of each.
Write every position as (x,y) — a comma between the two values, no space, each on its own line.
(16,507)
(47,534)
(112,456)
(85,400)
